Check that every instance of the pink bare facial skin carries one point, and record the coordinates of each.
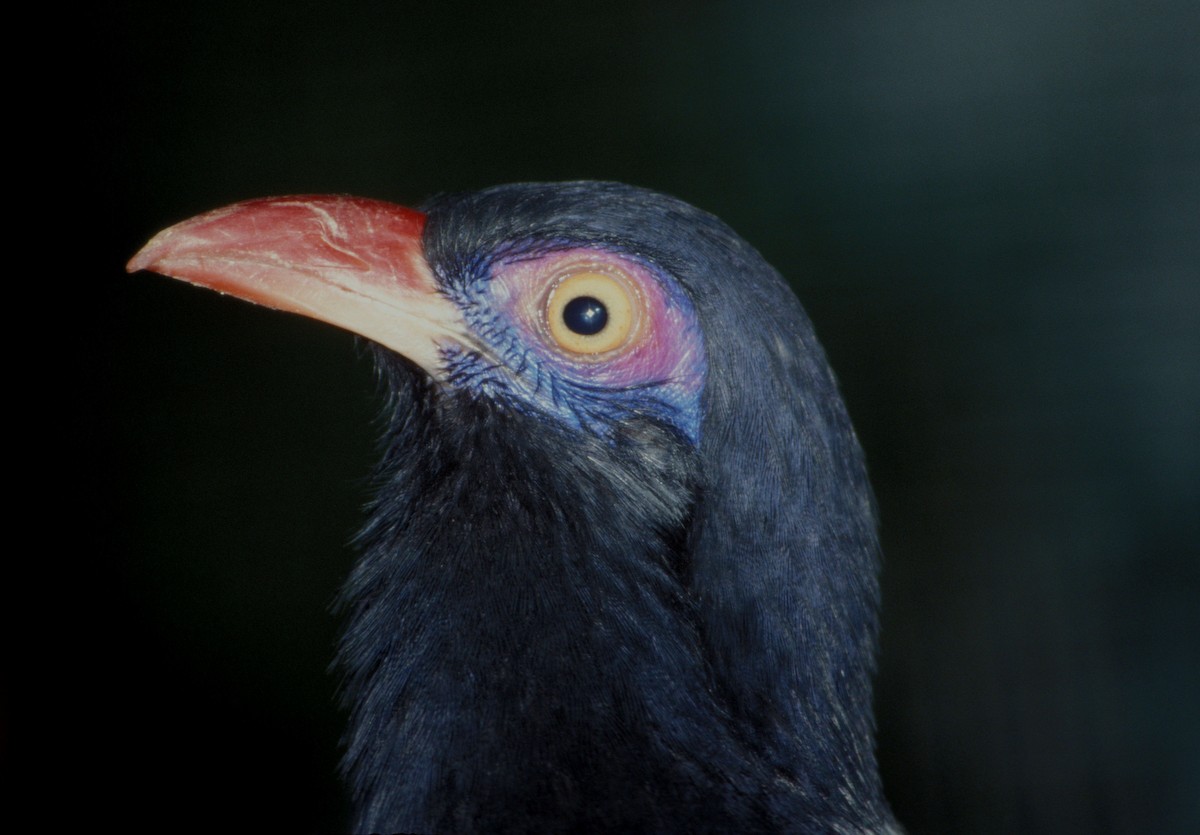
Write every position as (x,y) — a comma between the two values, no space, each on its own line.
(663,346)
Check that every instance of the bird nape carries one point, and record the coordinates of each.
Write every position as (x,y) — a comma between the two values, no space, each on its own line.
(620,570)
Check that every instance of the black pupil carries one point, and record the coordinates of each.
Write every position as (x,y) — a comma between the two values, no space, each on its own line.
(585,315)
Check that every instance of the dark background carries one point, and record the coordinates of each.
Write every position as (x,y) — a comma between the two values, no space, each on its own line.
(991,212)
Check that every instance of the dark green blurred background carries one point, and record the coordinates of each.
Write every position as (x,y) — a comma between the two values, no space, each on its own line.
(990,210)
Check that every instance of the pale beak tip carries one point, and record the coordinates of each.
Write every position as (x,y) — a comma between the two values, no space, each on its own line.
(150,255)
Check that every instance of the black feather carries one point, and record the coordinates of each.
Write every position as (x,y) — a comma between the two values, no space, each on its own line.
(551,630)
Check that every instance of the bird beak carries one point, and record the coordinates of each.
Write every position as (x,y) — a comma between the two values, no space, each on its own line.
(354,263)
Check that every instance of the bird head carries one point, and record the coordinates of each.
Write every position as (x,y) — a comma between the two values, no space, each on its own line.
(620,497)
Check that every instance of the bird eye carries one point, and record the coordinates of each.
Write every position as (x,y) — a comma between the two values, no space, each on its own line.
(591,312)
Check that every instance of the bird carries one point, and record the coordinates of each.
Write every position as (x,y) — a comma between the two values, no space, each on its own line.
(620,567)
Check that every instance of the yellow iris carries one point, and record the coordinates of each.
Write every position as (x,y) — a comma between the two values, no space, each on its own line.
(611,291)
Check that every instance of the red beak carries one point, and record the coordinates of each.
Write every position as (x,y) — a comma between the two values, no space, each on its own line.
(353,262)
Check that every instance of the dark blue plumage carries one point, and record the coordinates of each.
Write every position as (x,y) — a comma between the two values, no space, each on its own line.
(611,590)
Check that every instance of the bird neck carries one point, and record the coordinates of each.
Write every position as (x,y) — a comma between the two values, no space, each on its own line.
(520,652)
(784,551)
(561,634)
